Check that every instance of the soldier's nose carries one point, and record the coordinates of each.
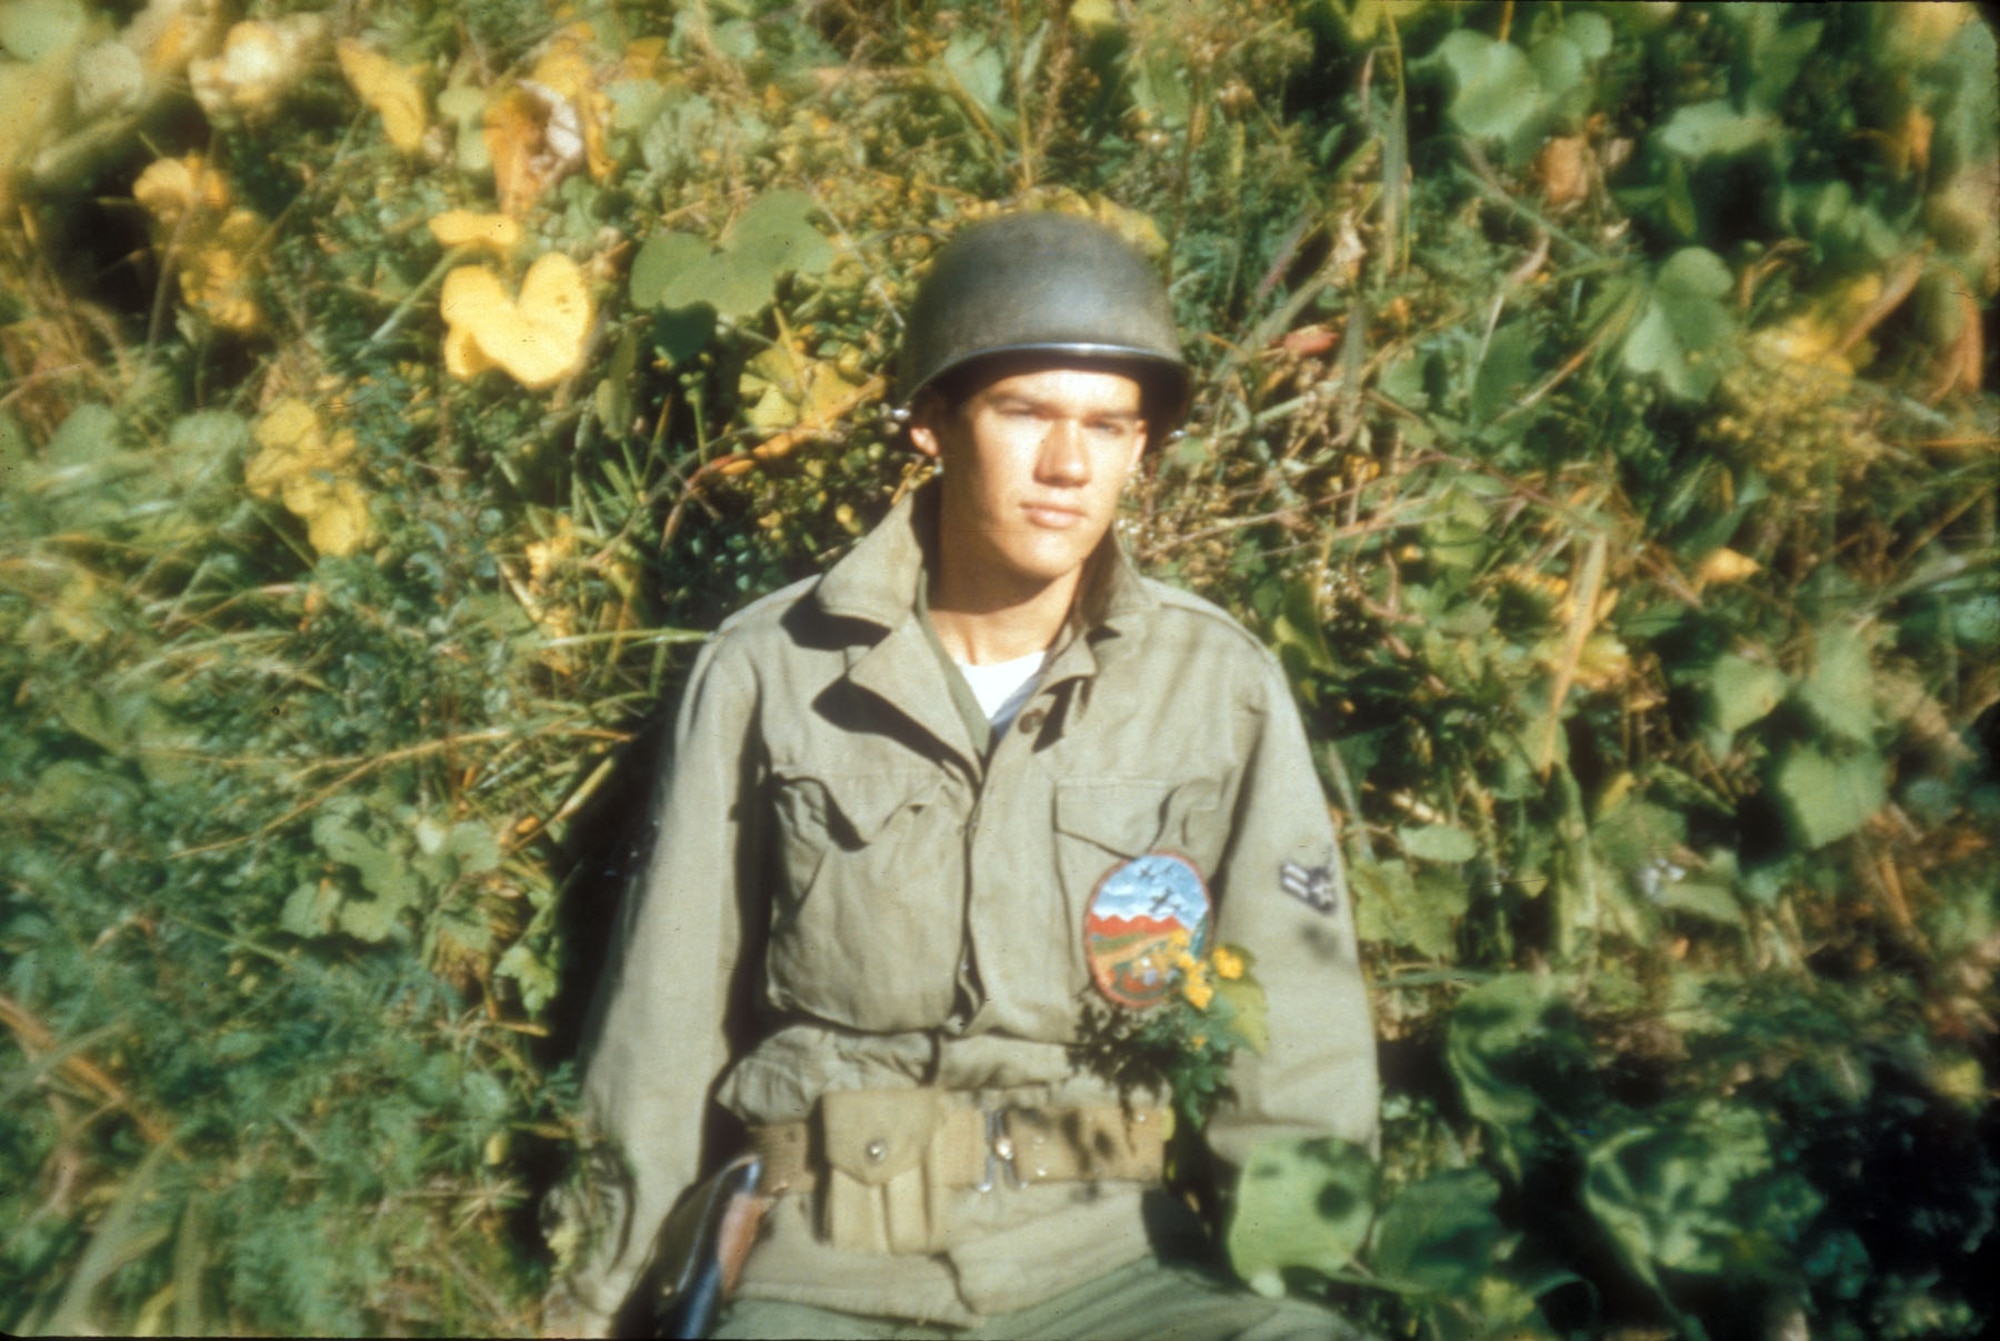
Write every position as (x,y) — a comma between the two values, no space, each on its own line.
(1063,459)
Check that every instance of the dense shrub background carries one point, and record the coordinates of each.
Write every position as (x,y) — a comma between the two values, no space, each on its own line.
(1594,415)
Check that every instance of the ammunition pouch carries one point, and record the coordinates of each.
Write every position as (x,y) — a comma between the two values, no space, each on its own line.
(884,1162)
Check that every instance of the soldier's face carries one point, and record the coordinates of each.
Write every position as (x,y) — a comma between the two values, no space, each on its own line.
(1033,466)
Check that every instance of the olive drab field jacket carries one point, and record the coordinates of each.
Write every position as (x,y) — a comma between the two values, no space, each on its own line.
(851,892)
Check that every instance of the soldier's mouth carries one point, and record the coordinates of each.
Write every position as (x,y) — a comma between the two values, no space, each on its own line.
(1051,517)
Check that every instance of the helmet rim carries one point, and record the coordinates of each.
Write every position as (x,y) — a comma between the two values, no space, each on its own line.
(1039,281)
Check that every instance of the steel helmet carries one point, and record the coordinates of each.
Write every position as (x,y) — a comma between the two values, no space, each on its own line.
(1045,282)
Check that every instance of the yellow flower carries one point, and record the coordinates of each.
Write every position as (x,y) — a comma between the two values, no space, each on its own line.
(1197,1041)
(260,62)
(538,339)
(463,228)
(540,129)
(1228,964)
(1725,565)
(388,88)
(312,476)
(1197,988)
(1180,938)
(171,187)
(208,237)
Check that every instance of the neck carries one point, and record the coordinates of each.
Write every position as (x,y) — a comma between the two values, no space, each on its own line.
(983,627)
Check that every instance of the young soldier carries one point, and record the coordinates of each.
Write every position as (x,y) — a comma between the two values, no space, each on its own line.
(877,912)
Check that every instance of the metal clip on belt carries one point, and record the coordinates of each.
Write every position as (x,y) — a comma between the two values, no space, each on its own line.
(999,1152)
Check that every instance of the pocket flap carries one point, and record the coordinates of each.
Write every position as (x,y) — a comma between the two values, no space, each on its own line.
(1121,815)
(854,808)
(873,1135)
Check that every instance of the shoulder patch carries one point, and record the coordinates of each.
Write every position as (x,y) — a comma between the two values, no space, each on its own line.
(1310,885)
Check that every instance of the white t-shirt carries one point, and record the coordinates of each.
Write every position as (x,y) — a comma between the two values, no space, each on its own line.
(1003,687)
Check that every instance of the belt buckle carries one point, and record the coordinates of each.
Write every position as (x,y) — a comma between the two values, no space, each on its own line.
(999,1152)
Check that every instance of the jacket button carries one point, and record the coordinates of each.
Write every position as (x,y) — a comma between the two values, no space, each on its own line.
(1031,721)
(878,1150)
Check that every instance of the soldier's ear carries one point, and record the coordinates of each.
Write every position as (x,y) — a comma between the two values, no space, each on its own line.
(923,425)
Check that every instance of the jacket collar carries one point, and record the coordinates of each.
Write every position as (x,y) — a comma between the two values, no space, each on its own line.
(877,582)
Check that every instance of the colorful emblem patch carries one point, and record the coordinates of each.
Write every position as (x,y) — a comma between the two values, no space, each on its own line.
(1139,914)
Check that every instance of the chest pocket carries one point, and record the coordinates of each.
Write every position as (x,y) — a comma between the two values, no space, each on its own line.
(865,911)
(1131,816)
(1103,822)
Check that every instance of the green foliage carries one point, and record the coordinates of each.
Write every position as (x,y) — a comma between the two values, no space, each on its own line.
(1593,418)
(1300,1205)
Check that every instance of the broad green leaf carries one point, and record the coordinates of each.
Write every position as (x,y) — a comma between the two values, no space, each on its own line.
(531,973)
(90,433)
(662,257)
(1652,348)
(1694,276)
(1777,50)
(1438,842)
(203,445)
(1829,798)
(1666,1191)
(1441,1232)
(1160,87)
(310,909)
(1635,836)
(1297,626)
(1591,32)
(1503,372)
(371,920)
(1976,620)
(735,292)
(1300,1205)
(1841,687)
(1686,324)
(1741,691)
(1249,1008)
(775,237)
(1490,1025)
(70,789)
(1559,64)
(1390,906)
(384,871)
(772,238)
(634,103)
(1461,537)
(1494,86)
(1711,903)
(737,39)
(612,400)
(976,68)
(94,717)
(472,846)
(1716,130)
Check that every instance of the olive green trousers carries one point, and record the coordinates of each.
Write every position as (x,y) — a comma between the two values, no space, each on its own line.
(1149,1300)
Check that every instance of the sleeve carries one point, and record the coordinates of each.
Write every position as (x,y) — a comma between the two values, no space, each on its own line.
(660,1020)
(1282,894)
